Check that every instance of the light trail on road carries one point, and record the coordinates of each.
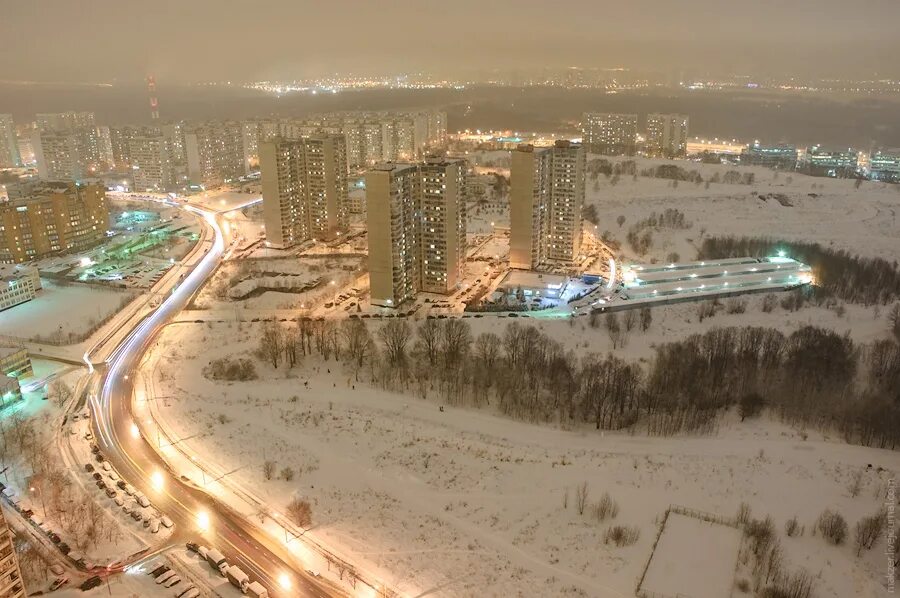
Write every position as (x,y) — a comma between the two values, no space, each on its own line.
(137,461)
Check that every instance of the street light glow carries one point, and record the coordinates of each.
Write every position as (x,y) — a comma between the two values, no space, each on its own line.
(203,520)
(284,581)
(157,479)
(135,431)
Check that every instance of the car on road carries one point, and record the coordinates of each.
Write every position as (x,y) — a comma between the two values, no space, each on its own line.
(58,583)
(91,583)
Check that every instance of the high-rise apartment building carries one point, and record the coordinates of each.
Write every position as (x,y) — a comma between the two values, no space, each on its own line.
(370,136)
(11,583)
(151,165)
(53,219)
(546,200)
(611,134)
(416,217)
(667,134)
(215,153)
(9,146)
(69,146)
(304,184)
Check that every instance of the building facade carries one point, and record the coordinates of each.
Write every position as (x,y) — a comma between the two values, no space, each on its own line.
(151,164)
(215,153)
(839,163)
(304,184)
(611,134)
(68,146)
(11,583)
(18,284)
(885,166)
(14,362)
(50,220)
(782,156)
(667,134)
(416,216)
(546,201)
(9,145)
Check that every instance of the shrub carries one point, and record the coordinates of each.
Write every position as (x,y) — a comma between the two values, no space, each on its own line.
(230,370)
(300,512)
(605,509)
(792,527)
(833,527)
(621,535)
(287,474)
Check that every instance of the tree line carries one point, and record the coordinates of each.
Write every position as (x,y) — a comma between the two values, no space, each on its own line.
(812,377)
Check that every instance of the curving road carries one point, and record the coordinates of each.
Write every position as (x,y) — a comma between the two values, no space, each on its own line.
(136,460)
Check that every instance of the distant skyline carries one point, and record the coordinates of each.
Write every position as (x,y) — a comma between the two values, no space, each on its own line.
(219,40)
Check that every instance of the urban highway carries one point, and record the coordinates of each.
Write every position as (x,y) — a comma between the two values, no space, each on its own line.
(198,516)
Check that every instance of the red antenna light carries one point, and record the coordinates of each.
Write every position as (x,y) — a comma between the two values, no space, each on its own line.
(154,103)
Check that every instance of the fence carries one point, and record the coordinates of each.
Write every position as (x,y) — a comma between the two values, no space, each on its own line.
(687,512)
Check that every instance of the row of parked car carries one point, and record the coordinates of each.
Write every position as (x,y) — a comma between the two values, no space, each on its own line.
(234,574)
(167,578)
(133,503)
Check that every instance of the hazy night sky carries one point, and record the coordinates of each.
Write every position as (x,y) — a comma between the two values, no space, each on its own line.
(201,40)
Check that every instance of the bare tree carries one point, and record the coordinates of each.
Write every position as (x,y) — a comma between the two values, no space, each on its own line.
(581,496)
(271,342)
(429,333)
(60,392)
(395,336)
(268,469)
(358,343)
(300,512)
(646,318)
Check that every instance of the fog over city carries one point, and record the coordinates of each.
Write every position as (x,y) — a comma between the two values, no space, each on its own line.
(204,40)
(457,299)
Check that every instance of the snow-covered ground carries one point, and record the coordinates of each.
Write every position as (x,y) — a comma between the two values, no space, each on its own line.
(62,312)
(464,502)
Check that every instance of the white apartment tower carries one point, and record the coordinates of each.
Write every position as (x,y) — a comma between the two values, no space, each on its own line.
(9,146)
(304,184)
(667,134)
(417,228)
(151,163)
(546,200)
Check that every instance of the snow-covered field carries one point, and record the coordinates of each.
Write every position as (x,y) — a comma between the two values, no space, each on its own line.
(467,503)
(62,312)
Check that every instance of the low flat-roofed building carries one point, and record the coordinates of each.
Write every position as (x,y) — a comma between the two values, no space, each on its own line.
(10,391)
(14,362)
(534,284)
(18,284)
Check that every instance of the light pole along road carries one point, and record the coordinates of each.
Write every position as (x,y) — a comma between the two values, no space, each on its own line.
(137,461)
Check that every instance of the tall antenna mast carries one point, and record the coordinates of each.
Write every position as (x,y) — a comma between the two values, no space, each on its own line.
(154,103)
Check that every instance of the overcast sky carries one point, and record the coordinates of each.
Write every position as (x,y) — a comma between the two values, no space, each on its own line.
(201,40)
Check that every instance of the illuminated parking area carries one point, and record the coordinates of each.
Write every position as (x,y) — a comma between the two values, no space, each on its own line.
(666,283)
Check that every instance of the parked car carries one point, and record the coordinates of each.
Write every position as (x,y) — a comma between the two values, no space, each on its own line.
(121,484)
(91,583)
(190,592)
(165,576)
(64,548)
(174,580)
(89,468)
(54,537)
(192,546)
(97,476)
(99,458)
(111,493)
(159,570)
(119,501)
(136,515)
(166,522)
(58,583)
(154,526)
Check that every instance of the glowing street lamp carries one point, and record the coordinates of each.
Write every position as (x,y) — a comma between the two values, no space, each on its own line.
(284,581)
(203,520)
